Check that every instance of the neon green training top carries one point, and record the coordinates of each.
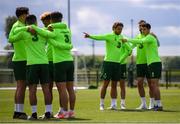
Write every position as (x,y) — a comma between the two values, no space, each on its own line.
(34,45)
(60,38)
(49,46)
(19,47)
(112,46)
(151,48)
(49,49)
(125,51)
(141,52)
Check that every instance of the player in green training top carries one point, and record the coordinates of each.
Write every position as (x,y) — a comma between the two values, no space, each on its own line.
(19,65)
(123,63)
(110,69)
(63,63)
(37,66)
(142,71)
(45,18)
(153,60)
(64,68)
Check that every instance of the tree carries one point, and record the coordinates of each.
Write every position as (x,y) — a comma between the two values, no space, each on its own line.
(171,62)
(9,21)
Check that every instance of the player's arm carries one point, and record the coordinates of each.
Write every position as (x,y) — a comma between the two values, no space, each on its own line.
(134,41)
(20,29)
(58,25)
(43,32)
(135,44)
(96,37)
(11,35)
(65,46)
(128,45)
(124,56)
(146,39)
(16,34)
(127,52)
(15,38)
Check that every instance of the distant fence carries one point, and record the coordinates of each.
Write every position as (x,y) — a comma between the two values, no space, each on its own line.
(6,76)
(89,77)
(92,77)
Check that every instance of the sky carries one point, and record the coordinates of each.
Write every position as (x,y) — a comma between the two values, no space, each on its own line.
(98,16)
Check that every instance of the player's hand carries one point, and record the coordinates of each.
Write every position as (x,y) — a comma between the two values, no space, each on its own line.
(50,28)
(124,40)
(32,31)
(86,35)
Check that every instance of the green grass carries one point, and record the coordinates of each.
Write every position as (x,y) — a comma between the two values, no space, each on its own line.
(87,108)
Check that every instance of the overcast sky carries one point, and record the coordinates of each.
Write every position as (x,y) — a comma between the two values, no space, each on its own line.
(97,17)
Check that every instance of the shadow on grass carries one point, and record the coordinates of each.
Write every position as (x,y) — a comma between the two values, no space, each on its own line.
(74,120)
(145,110)
(127,110)
(170,110)
(132,110)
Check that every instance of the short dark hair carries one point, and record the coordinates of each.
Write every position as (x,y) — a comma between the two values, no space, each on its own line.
(116,24)
(56,16)
(30,19)
(147,25)
(141,21)
(21,10)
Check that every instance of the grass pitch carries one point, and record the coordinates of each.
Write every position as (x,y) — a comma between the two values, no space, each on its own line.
(87,108)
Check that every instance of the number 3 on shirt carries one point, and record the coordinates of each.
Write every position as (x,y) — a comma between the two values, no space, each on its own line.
(67,40)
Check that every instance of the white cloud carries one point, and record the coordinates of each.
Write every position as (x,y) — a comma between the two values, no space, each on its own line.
(90,16)
(169,31)
(127,31)
(136,1)
(59,3)
(93,21)
(89,19)
(167,6)
(160,6)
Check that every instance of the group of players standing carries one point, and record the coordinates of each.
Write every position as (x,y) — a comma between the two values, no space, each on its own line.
(148,64)
(42,55)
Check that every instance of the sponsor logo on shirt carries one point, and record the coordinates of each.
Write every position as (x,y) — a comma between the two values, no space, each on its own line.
(141,46)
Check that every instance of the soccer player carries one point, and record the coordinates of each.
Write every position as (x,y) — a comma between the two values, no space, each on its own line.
(153,60)
(110,68)
(37,66)
(45,18)
(142,71)
(63,64)
(19,65)
(123,74)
